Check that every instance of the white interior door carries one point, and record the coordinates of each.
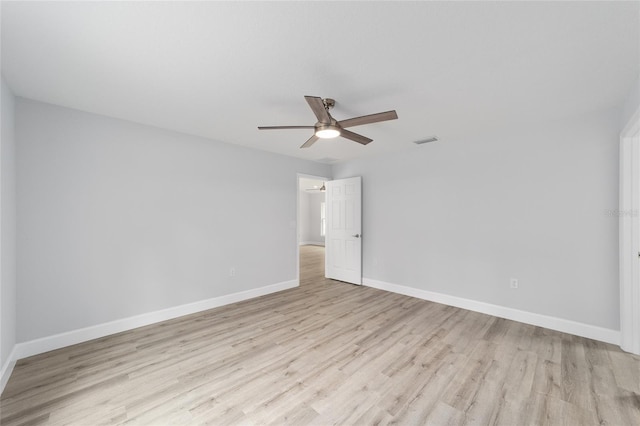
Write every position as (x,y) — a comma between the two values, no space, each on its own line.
(343,236)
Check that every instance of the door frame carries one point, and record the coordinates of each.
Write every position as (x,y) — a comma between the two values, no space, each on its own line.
(298,176)
(629,227)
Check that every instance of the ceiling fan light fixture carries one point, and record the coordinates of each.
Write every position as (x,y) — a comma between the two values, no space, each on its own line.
(327,132)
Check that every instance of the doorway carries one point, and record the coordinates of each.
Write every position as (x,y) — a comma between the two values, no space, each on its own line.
(329,216)
(311,226)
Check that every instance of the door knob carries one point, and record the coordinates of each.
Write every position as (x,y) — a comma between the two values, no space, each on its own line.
(357,235)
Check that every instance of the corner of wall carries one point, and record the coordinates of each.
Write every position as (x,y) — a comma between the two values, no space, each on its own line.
(7,233)
(7,369)
(631,105)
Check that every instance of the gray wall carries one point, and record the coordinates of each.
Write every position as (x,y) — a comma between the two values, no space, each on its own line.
(118,219)
(7,225)
(315,199)
(303,212)
(462,217)
(632,103)
(310,217)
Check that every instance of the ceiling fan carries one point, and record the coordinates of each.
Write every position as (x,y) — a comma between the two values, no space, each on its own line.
(328,127)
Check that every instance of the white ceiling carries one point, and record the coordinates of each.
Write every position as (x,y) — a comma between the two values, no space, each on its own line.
(218,70)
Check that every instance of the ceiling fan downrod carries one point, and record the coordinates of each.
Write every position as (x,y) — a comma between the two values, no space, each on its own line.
(328,103)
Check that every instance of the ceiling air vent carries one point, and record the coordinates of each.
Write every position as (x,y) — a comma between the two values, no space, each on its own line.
(327,160)
(427,140)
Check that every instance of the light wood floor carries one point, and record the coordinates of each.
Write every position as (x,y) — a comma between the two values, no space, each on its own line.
(327,353)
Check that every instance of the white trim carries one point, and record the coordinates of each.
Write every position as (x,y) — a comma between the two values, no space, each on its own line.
(629,227)
(73,337)
(553,323)
(7,369)
(312,243)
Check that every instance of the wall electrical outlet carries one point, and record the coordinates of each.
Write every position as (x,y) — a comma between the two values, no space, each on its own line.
(514,283)
(232,272)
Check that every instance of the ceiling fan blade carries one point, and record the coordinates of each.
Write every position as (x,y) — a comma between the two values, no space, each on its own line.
(355,137)
(318,108)
(310,142)
(284,127)
(368,119)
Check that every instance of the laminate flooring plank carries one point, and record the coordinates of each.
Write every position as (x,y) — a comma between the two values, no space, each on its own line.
(547,379)
(406,387)
(626,370)
(415,407)
(297,416)
(445,415)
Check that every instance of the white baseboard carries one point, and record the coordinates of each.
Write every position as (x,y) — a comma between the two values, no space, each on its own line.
(312,243)
(553,323)
(45,344)
(49,343)
(7,369)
